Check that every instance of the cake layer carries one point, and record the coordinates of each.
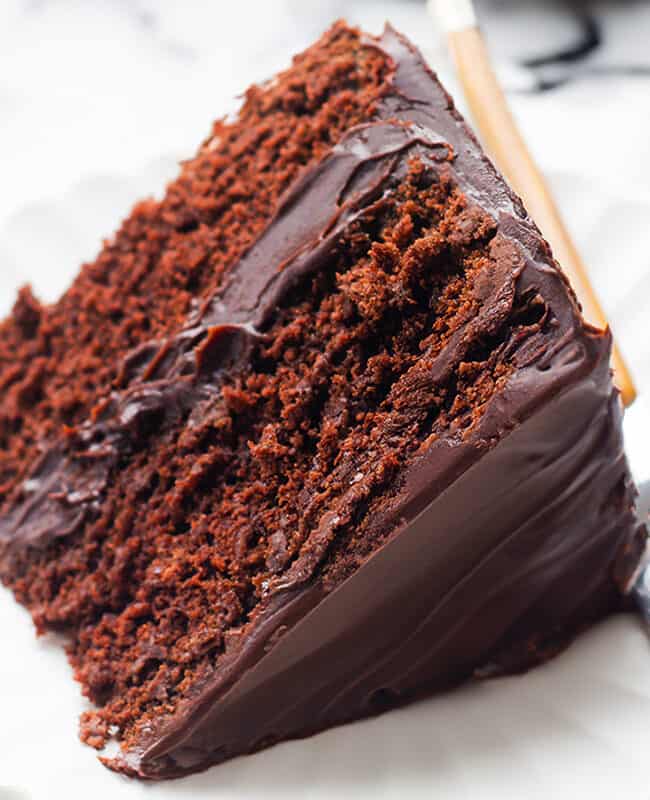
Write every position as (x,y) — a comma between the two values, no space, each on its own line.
(57,361)
(383,455)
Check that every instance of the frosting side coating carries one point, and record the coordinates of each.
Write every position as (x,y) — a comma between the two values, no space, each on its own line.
(523,570)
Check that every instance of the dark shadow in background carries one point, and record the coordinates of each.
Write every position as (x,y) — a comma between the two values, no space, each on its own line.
(560,66)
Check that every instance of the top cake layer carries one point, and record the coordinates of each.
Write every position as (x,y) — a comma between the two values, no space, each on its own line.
(57,361)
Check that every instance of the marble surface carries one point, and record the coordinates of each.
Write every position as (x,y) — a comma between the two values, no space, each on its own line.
(98,102)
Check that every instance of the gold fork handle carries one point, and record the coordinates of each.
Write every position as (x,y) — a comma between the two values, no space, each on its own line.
(504,142)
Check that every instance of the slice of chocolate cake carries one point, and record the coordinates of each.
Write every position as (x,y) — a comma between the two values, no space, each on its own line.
(320,431)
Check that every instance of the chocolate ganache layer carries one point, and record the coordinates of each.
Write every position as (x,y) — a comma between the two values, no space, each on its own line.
(501,540)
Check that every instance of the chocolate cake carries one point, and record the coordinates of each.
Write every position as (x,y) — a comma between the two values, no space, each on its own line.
(320,431)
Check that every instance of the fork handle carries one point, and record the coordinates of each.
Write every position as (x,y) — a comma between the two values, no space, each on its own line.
(503,140)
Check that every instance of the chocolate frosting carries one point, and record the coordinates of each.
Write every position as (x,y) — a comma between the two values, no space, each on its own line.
(503,542)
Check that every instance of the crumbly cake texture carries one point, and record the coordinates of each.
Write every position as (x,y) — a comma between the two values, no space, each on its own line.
(56,361)
(321,430)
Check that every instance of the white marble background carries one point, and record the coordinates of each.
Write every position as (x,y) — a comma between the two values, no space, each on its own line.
(99,99)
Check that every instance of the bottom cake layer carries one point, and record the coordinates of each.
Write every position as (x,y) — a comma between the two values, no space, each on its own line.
(498,573)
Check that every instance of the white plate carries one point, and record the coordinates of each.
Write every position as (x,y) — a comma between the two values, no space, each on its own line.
(576,727)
